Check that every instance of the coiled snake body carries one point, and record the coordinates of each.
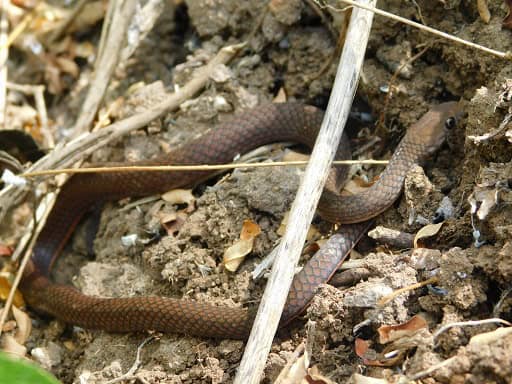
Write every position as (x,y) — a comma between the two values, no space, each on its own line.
(263,125)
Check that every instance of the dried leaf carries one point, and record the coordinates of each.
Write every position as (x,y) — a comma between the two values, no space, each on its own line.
(234,255)
(249,230)
(181,196)
(10,345)
(5,250)
(388,333)
(315,377)
(173,221)
(362,349)
(24,325)
(483,10)
(5,287)
(295,373)
(427,231)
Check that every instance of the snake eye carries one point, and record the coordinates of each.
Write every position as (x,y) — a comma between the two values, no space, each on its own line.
(450,123)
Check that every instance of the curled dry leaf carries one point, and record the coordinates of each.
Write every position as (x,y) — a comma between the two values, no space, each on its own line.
(5,250)
(234,255)
(5,287)
(370,357)
(24,325)
(427,231)
(315,377)
(388,333)
(296,372)
(483,10)
(10,345)
(173,221)
(181,196)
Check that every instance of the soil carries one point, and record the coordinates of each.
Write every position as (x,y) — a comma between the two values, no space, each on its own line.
(288,48)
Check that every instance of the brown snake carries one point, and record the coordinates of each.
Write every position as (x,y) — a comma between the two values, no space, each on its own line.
(263,125)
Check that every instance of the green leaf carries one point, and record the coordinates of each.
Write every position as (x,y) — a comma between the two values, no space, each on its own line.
(19,371)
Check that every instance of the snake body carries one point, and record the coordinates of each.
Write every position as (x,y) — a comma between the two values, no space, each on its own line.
(265,124)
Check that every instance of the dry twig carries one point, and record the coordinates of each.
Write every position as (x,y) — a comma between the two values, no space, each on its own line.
(303,208)
(444,35)
(107,61)
(4,54)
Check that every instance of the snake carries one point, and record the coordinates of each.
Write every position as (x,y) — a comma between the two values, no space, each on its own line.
(267,123)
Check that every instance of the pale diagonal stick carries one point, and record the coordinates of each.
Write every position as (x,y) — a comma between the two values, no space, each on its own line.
(303,209)
(107,61)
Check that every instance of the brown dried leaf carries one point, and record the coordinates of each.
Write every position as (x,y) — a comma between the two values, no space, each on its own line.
(234,255)
(483,10)
(388,333)
(5,287)
(24,325)
(296,372)
(10,345)
(5,250)
(427,231)
(315,377)
(249,230)
(173,221)
(362,349)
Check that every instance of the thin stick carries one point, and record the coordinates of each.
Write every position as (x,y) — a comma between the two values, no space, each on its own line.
(303,208)
(471,323)
(386,299)
(504,55)
(106,65)
(130,375)
(82,147)
(4,54)
(201,167)
(432,368)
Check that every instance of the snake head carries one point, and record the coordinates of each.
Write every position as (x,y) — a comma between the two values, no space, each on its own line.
(430,131)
